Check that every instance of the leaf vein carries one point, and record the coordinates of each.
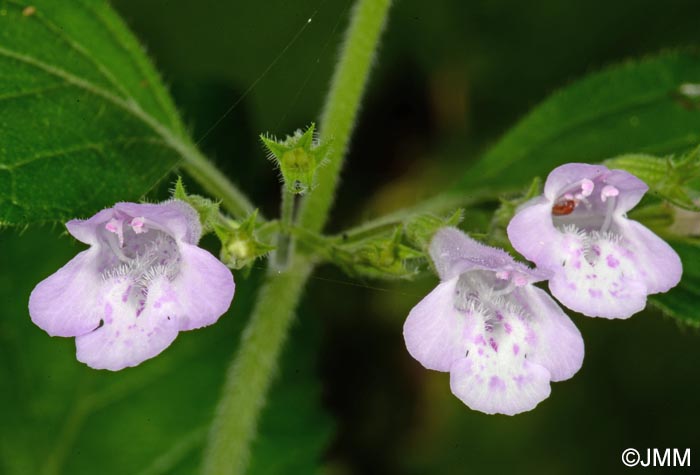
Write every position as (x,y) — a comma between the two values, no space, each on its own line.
(58,32)
(162,101)
(96,146)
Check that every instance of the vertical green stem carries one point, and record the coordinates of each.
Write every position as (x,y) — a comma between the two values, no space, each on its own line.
(284,241)
(343,103)
(250,374)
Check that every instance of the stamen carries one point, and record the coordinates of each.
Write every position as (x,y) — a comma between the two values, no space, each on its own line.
(503,275)
(118,249)
(137,224)
(505,290)
(116,226)
(587,187)
(608,191)
(608,210)
(519,280)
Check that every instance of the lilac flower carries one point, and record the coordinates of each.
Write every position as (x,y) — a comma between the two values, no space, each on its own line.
(602,264)
(142,280)
(502,339)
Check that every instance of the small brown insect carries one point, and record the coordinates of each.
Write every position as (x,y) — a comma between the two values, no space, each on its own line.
(563,207)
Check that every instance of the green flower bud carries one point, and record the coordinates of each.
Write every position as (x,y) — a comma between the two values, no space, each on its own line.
(240,246)
(379,258)
(207,209)
(298,157)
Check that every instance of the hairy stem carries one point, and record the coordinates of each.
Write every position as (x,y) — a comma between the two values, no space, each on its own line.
(251,372)
(250,375)
(342,105)
(440,204)
(284,240)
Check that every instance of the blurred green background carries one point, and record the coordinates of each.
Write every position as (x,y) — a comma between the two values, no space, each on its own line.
(450,78)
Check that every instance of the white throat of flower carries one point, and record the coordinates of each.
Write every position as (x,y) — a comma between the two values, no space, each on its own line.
(142,250)
(585,211)
(490,295)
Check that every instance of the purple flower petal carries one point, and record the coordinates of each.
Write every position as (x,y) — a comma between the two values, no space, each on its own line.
(454,253)
(533,235)
(659,264)
(602,264)
(85,230)
(501,339)
(569,175)
(131,335)
(559,347)
(205,288)
(512,387)
(497,375)
(178,218)
(67,302)
(564,176)
(143,279)
(435,331)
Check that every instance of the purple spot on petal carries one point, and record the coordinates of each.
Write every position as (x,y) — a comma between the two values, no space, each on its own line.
(125,295)
(516,349)
(596,249)
(595,293)
(493,344)
(481,351)
(612,262)
(497,384)
(530,338)
(108,314)
(479,340)
(519,380)
(508,328)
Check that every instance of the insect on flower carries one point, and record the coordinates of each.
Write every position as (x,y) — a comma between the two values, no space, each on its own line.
(602,263)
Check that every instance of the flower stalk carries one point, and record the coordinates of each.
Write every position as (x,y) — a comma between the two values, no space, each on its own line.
(285,242)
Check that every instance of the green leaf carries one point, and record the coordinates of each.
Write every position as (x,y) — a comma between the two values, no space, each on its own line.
(61,417)
(636,107)
(681,302)
(667,177)
(85,119)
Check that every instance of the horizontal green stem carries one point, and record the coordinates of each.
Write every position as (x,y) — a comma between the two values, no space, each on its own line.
(443,203)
